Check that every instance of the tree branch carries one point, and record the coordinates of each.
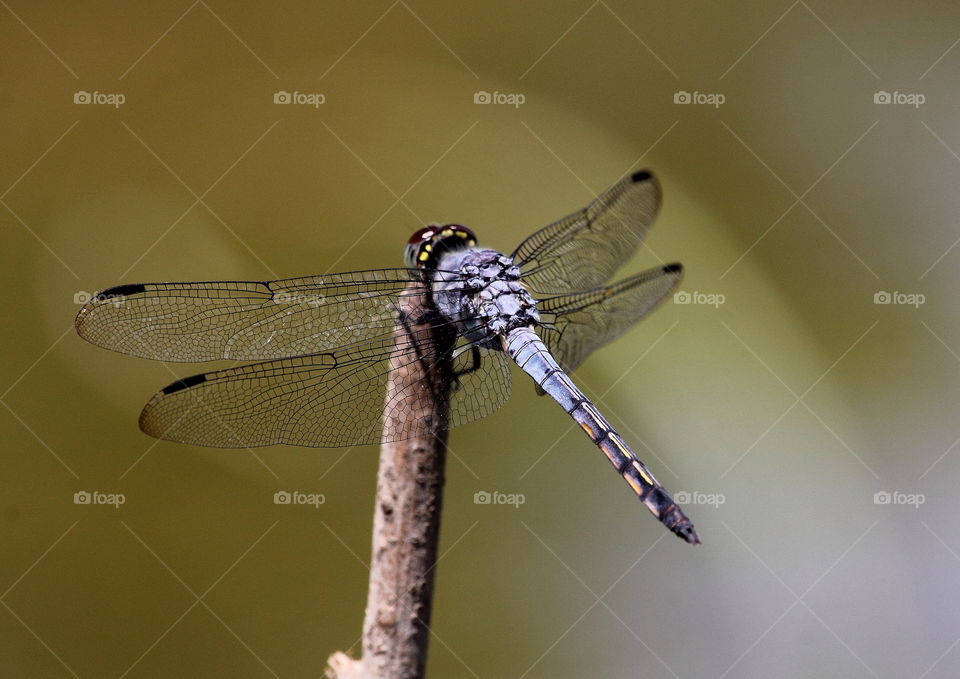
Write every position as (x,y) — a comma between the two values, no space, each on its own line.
(406,521)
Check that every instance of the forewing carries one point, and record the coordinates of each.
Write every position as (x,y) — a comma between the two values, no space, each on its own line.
(245,321)
(582,251)
(328,399)
(575,325)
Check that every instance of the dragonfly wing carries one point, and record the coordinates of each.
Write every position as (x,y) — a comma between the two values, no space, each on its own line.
(582,250)
(245,321)
(577,324)
(482,383)
(325,400)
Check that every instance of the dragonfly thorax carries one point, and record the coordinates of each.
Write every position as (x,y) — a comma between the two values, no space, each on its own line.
(480,291)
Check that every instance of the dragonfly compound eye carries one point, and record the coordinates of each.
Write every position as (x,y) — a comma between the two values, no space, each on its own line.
(427,245)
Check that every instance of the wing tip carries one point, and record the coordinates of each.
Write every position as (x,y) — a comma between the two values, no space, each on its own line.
(647,177)
(114,295)
(144,421)
(148,421)
(674,267)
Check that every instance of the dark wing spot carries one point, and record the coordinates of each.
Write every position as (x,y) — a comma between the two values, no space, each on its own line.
(641,176)
(122,291)
(185,383)
(676,267)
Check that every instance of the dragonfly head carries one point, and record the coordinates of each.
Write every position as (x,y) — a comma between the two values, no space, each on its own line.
(426,246)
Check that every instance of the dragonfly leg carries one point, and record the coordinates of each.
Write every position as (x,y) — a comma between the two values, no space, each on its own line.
(408,319)
(475,355)
(414,326)
(408,322)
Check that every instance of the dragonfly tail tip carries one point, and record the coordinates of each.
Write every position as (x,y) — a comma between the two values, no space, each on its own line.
(688,533)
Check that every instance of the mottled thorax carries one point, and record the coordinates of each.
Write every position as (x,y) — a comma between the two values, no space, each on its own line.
(480,291)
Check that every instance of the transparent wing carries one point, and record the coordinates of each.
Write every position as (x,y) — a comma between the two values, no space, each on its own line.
(328,399)
(245,321)
(582,251)
(577,324)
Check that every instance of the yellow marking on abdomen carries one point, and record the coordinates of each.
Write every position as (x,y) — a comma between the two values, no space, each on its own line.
(586,428)
(652,506)
(637,488)
(643,472)
(621,447)
(612,457)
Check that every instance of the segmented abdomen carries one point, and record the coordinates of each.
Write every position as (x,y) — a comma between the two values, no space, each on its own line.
(533,357)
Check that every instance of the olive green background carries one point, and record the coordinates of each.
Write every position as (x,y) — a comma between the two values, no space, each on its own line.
(793,402)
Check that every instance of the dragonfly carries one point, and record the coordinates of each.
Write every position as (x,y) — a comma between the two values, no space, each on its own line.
(319,349)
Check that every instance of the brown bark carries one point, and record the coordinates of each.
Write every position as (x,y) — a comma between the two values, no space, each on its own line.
(406,522)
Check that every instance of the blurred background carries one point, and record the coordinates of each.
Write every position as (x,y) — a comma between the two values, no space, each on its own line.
(800,394)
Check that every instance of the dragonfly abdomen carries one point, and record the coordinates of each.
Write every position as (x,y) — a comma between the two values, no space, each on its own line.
(533,357)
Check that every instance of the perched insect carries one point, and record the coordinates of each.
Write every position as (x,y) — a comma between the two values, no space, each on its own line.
(325,342)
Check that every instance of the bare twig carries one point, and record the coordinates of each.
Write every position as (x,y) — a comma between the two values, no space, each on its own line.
(406,521)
